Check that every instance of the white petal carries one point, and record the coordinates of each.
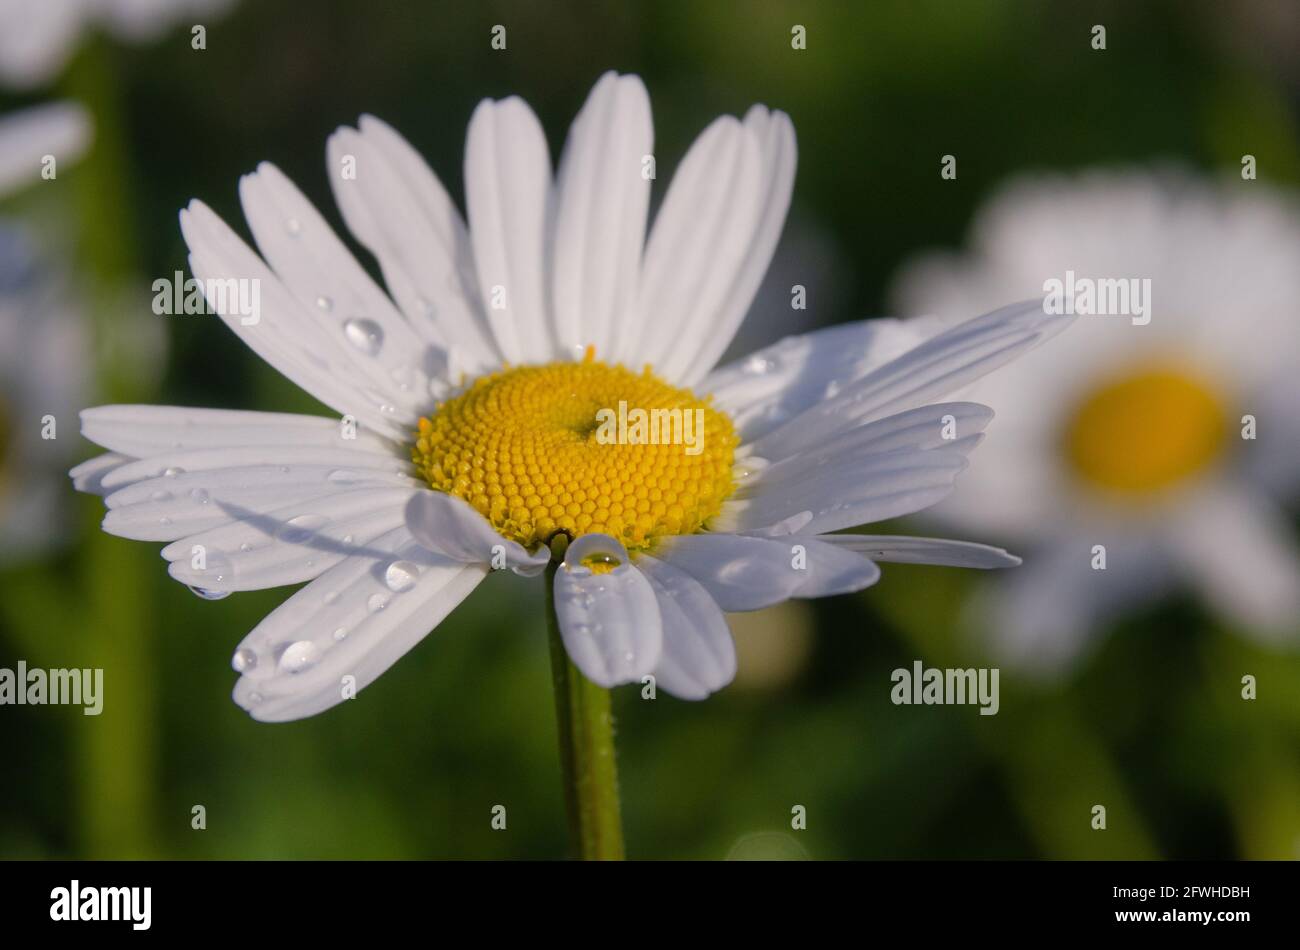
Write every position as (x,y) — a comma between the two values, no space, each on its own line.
(945,425)
(939,366)
(699,242)
(340,632)
(349,465)
(777,382)
(398,208)
(288,545)
(699,657)
(609,622)
(603,197)
(89,475)
(1243,557)
(284,334)
(747,573)
(907,550)
(509,196)
(340,300)
(60,129)
(36,39)
(175,506)
(452,527)
(775,135)
(860,491)
(143,431)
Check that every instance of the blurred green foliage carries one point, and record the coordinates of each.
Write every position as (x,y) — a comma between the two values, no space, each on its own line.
(1151,724)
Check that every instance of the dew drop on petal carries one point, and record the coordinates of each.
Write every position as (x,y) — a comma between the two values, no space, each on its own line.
(300,529)
(298,657)
(324,303)
(199,495)
(293,226)
(377,602)
(207,594)
(401,576)
(160,496)
(243,660)
(172,471)
(341,633)
(366,335)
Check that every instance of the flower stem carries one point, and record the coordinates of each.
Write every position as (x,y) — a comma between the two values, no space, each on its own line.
(586,732)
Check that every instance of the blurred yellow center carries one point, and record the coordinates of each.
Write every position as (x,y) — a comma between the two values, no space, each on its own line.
(1146,430)
(568,449)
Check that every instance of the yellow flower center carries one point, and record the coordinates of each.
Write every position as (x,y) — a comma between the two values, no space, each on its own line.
(549,453)
(1146,430)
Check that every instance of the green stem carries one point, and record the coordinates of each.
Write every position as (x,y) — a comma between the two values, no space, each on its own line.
(586,732)
(118,750)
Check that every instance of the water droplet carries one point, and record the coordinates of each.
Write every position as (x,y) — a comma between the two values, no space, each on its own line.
(199,495)
(402,377)
(164,521)
(757,365)
(401,575)
(207,594)
(377,602)
(173,471)
(343,476)
(324,303)
(366,335)
(293,226)
(298,657)
(160,496)
(245,547)
(302,528)
(341,633)
(347,539)
(243,660)
(331,597)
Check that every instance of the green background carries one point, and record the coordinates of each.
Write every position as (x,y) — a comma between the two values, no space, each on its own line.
(1151,725)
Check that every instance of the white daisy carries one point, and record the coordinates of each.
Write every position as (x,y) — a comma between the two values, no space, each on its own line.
(38,36)
(1126,435)
(477,381)
(44,351)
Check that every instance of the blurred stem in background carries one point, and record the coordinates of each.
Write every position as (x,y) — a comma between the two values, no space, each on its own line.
(117,750)
(587,765)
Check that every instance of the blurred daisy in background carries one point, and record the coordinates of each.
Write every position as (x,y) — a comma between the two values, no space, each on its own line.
(476,384)
(37,37)
(1171,444)
(44,346)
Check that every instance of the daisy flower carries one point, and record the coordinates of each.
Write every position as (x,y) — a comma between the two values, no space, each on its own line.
(44,350)
(38,36)
(1170,443)
(470,399)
